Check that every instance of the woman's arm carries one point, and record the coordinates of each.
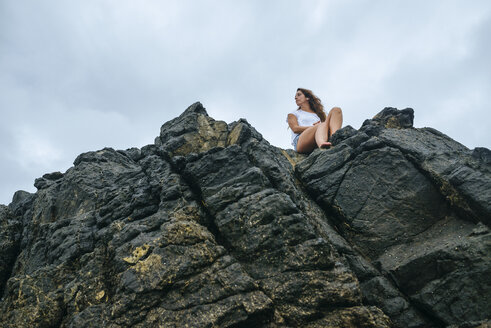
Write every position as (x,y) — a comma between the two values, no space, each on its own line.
(293,123)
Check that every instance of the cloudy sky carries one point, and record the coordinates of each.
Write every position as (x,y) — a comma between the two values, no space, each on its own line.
(81,75)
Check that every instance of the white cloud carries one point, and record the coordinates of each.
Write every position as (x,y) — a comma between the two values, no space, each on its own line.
(33,149)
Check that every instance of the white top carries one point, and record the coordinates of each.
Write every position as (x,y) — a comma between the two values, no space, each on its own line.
(304,119)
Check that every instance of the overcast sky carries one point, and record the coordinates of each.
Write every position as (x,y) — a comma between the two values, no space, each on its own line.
(81,75)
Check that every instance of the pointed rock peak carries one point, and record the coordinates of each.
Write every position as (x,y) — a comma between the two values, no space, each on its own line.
(482,154)
(53,176)
(241,131)
(194,131)
(20,196)
(196,108)
(20,200)
(391,117)
(47,180)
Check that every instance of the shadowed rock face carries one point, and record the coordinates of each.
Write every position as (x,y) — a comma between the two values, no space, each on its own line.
(213,227)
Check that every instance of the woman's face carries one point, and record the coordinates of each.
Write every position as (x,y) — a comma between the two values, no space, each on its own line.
(300,98)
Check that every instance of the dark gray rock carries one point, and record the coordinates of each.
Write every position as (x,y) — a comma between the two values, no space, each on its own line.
(410,200)
(463,180)
(213,227)
(392,118)
(451,256)
(482,154)
(267,233)
(10,235)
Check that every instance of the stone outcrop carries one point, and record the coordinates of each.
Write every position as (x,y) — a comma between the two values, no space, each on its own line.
(211,226)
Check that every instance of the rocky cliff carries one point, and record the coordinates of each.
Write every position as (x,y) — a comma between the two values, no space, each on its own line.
(211,226)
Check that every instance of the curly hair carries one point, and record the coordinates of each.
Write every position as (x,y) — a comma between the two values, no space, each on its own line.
(315,103)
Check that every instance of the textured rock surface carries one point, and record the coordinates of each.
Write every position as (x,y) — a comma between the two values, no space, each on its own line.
(212,226)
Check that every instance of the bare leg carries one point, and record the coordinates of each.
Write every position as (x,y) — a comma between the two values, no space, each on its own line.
(306,141)
(317,135)
(321,135)
(327,128)
(334,120)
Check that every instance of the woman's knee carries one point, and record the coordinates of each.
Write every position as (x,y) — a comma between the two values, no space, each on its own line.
(336,110)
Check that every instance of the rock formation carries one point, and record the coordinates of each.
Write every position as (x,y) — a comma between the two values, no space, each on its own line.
(211,226)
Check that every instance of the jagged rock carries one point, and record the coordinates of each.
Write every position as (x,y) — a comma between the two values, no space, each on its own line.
(10,234)
(213,227)
(409,200)
(482,154)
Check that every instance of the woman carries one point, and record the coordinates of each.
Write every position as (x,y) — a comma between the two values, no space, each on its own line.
(310,126)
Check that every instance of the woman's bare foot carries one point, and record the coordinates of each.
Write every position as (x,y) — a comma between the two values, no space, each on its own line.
(325,144)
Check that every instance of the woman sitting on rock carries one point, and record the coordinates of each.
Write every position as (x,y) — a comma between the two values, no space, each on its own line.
(310,127)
